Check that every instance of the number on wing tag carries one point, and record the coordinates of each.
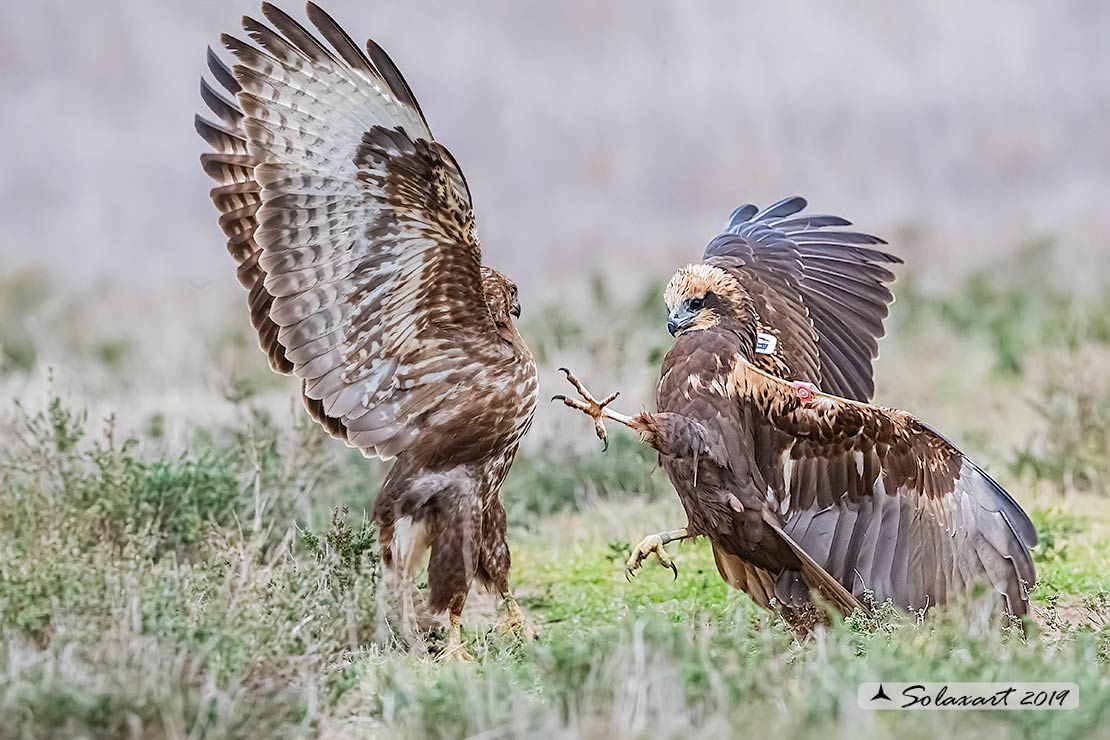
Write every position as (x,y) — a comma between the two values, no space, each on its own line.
(765,344)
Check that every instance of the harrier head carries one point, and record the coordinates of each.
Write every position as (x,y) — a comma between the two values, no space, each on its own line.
(501,296)
(699,296)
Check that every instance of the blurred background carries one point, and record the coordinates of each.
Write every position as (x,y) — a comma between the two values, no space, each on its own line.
(604,145)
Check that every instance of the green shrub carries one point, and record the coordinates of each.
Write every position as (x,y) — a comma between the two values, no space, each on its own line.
(144,597)
(116,495)
(22,294)
(1071,449)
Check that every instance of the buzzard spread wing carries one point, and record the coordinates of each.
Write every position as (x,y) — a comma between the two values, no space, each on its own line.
(353,231)
(822,291)
(880,500)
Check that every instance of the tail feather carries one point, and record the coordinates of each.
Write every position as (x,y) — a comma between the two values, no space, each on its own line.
(755,582)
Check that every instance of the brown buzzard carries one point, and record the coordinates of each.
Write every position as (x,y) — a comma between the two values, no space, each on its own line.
(353,230)
(802,491)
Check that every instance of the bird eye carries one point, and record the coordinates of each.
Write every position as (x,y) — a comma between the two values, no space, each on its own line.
(696,304)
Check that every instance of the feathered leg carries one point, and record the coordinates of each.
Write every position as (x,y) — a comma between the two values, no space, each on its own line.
(453,565)
(404,546)
(494,567)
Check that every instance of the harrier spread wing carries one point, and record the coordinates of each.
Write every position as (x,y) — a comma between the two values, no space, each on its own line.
(821,291)
(353,230)
(882,501)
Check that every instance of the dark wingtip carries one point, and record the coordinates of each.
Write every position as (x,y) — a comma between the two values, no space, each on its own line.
(221,72)
(314,11)
(785,207)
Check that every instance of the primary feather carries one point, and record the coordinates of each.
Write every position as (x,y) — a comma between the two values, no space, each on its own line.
(823,292)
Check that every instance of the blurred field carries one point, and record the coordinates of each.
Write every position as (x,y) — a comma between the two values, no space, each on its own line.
(182,554)
(616,135)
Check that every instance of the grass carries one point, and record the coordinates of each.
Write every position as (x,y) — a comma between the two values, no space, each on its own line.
(229,586)
(145,597)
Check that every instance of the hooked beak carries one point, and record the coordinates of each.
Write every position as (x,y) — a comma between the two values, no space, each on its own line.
(514,310)
(679,319)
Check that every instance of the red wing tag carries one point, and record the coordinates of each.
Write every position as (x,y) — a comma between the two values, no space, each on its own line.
(806,392)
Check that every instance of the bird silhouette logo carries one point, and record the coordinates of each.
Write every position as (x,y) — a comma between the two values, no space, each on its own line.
(881,694)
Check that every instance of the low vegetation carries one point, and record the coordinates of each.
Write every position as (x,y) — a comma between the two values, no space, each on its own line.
(227,585)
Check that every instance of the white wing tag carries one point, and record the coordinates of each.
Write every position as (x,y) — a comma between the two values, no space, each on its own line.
(765,344)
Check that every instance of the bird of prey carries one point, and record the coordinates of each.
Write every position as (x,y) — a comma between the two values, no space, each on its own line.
(354,233)
(765,430)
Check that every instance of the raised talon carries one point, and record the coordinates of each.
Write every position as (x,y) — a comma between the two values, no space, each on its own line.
(589,405)
(653,543)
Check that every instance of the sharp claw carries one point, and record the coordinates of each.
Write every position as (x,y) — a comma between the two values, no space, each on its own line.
(674,568)
(605,445)
(628,575)
(559,397)
(564,371)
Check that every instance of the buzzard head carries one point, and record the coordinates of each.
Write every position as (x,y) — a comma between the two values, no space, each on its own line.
(701,296)
(501,296)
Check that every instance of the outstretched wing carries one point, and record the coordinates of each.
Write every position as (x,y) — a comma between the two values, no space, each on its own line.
(238,196)
(353,230)
(822,291)
(882,501)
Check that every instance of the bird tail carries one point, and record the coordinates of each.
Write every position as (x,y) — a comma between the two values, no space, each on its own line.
(755,582)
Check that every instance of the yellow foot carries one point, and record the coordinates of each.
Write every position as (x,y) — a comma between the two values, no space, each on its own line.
(653,543)
(592,407)
(455,652)
(513,622)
